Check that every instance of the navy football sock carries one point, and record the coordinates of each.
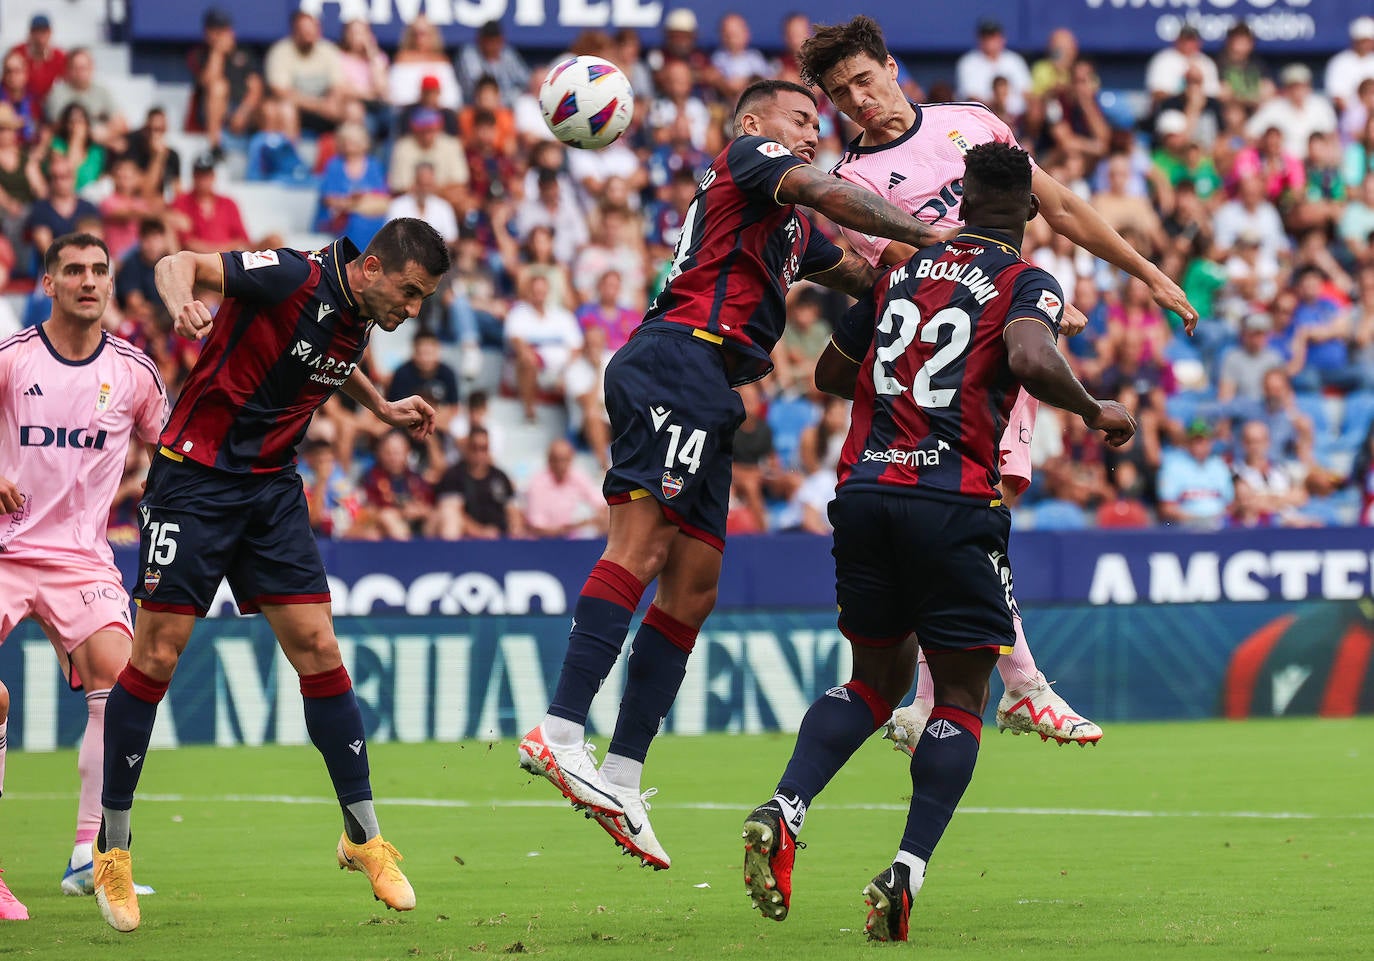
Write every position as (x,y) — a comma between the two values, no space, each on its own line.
(336,729)
(130,711)
(940,773)
(600,621)
(832,730)
(658,663)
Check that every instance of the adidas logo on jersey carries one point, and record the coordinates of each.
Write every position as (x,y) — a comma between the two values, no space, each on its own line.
(942,729)
(894,180)
(34,391)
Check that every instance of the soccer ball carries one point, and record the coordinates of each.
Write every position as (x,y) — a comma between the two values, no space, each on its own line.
(587,102)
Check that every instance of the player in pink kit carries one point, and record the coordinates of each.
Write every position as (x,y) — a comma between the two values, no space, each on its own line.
(913,155)
(73,397)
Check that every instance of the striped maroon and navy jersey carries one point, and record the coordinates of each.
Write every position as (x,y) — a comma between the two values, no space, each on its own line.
(287,335)
(934,388)
(739,251)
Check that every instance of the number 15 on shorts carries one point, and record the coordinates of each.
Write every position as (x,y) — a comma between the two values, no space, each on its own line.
(162,543)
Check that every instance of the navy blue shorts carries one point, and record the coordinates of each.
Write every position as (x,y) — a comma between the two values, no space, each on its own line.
(908,564)
(199,525)
(673,422)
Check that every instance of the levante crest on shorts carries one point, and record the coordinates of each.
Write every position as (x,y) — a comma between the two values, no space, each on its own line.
(671,484)
(151,579)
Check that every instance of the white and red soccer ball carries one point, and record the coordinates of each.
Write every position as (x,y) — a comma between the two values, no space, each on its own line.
(587,102)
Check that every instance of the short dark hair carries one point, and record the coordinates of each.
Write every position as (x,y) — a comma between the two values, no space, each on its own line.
(75,240)
(409,240)
(999,168)
(148,226)
(761,90)
(835,42)
(424,334)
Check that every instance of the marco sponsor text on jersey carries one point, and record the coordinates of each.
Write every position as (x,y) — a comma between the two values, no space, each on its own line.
(1168,577)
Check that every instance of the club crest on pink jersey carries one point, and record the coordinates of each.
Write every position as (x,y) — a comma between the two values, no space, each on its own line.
(102,401)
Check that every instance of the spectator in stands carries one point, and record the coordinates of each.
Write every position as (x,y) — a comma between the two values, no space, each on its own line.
(1352,66)
(1322,202)
(1179,158)
(423,201)
(1125,211)
(821,442)
(429,98)
(607,312)
(228,86)
(475,414)
(135,276)
(540,338)
(1358,163)
(537,257)
(427,143)
(399,502)
(1290,430)
(530,128)
(421,67)
(1362,477)
(979,67)
(1281,172)
(1164,74)
(365,70)
(72,137)
(675,99)
(1124,506)
(1298,112)
(755,461)
(160,163)
(78,85)
(1050,76)
(9,320)
(46,63)
(1362,341)
(1243,77)
(1252,215)
(59,212)
(584,390)
(21,178)
(329,493)
(274,152)
(125,207)
(487,97)
(593,170)
(1268,494)
(306,70)
(680,47)
(489,55)
(675,153)
(1195,487)
(491,170)
(15,93)
(737,63)
(550,207)
(476,500)
(207,222)
(426,373)
(561,501)
(473,303)
(353,190)
(1315,340)
(616,241)
(1201,112)
(1241,376)
(1074,118)
(803,340)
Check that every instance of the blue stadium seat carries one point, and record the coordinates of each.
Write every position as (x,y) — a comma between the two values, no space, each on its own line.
(788,417)
(1314,406)
(1060,516)
(1184,405)
(1359,414)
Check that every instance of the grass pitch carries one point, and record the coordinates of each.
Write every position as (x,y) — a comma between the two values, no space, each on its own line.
(1215,841)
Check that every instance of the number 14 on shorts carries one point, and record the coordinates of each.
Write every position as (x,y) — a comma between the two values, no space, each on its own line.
(684,453)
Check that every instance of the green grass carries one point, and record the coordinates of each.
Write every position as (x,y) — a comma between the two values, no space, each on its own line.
(253,879)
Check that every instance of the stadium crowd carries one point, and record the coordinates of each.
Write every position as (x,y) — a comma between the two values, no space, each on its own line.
(1250,183)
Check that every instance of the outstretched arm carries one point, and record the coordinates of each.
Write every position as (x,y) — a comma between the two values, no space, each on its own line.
(852,276)
(412,413)
(851,206)
(1070,215)
(1034,357)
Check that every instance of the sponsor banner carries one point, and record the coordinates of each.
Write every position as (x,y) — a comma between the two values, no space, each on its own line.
(1139,26)
(457,678)
(797,571)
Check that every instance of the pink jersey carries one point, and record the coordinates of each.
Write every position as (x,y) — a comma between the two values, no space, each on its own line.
(922,172)
(64,435)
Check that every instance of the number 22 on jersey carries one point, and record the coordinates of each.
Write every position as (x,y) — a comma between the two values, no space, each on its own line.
(900,325)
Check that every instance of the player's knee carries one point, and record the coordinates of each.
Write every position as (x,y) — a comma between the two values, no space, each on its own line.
(313,650)
(156,658)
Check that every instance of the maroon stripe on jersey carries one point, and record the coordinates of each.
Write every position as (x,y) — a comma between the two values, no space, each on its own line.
(984,411)
(139,357)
